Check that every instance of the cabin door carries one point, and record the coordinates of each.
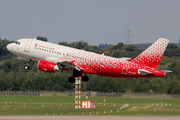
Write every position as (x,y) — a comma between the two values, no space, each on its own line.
(27,46)
(125,68)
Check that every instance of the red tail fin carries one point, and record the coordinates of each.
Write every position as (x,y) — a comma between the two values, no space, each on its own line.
(153,54)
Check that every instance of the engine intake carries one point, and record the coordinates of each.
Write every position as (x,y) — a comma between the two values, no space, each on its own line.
(47,66)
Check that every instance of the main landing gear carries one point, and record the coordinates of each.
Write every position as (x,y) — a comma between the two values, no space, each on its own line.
(27,66)
(71,79)
(75,73)
(85,78)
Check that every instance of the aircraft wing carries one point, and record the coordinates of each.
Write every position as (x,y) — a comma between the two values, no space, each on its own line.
(63,63)
(70,64)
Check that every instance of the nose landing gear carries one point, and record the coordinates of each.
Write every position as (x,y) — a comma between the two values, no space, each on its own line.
(27,66)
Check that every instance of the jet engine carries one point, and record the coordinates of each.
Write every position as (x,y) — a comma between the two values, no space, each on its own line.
(47,66)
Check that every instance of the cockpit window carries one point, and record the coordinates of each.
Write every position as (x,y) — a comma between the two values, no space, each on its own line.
(18,43)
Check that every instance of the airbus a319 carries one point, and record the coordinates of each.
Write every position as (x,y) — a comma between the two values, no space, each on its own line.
(56,58)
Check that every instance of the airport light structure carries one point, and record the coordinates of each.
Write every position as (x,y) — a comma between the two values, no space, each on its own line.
(77,92)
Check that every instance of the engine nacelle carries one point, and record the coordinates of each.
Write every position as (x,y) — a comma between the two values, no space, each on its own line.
(47,66)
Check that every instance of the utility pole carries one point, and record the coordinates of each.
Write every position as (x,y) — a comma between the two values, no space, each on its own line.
(128,36)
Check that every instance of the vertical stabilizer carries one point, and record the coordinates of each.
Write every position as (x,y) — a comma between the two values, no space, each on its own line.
(153,54)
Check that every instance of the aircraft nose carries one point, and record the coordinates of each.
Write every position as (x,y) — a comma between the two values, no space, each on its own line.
(8,47)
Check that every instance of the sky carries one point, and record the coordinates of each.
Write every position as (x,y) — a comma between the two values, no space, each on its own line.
(92,21)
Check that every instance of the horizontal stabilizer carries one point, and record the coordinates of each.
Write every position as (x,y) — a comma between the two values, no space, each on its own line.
(144,72)
(166,71)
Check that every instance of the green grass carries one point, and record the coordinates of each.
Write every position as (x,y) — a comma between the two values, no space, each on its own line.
(36,105)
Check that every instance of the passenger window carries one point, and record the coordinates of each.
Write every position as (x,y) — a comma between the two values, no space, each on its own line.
(57,52)
(54,51)
(39,48)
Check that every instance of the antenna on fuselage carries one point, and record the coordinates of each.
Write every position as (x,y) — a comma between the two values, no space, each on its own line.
(35,38)
(103,54)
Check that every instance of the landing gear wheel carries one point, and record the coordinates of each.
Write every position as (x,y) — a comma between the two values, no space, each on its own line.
(71,79)
(85,78)
(26,67)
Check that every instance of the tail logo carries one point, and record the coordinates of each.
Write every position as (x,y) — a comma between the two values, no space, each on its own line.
(152,55)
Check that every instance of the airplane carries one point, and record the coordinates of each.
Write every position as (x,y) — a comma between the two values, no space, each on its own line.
(56,58)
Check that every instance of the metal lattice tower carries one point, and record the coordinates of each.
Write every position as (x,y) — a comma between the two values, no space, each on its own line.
(128,36)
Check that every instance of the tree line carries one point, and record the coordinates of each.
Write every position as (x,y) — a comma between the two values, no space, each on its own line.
(15,78)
